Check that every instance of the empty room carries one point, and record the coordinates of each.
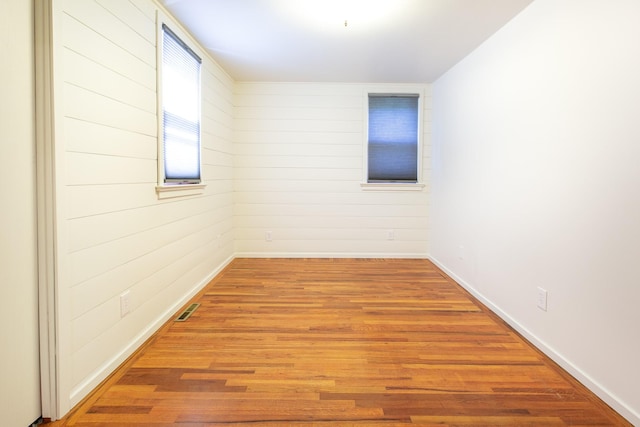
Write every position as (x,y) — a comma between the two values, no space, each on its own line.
(306,212)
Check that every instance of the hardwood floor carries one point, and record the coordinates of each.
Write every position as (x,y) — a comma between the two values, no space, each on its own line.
(339,342)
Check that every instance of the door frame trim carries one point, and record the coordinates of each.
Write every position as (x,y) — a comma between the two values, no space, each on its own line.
(46,202)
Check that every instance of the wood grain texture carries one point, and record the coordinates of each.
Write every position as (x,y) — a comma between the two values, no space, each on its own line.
(339,342)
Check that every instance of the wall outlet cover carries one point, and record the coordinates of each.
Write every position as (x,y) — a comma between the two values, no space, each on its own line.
(542,299)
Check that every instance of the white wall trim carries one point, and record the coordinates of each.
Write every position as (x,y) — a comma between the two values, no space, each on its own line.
(610,398)
(92,381)
(391,186)
(45,183)
(179,190)
(329,255)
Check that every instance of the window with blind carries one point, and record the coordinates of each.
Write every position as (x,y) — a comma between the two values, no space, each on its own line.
(392,141)
(180,99)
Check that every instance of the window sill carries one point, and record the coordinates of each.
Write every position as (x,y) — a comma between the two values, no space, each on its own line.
(166,191)
(391,186)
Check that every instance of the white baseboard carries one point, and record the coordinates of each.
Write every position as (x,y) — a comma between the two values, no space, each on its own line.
(84,388)
(604,394)
(329,255)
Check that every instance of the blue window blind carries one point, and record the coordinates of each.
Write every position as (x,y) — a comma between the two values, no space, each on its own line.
(393,138)
(180,110)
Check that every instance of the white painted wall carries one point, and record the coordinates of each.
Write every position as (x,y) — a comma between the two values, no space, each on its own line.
(535,183)
(113,233)
(297,171)
(19,353)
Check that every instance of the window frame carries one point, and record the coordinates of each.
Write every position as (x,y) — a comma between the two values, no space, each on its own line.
(174,189)
(393,186)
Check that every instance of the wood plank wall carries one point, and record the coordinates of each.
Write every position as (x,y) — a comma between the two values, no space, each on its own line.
(115,234)
(298,169)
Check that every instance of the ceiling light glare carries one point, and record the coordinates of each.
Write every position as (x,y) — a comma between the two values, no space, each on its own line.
(334,14)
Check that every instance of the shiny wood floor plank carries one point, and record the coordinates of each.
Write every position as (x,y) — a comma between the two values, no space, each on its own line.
(343,343)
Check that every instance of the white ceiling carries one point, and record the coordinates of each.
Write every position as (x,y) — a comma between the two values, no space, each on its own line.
(408,41)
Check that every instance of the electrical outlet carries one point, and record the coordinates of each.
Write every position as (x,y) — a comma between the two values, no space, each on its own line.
(391,235)
(542,299)
(267,236)
(125,303)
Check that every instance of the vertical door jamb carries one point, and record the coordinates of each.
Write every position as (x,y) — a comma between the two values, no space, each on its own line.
(45,192)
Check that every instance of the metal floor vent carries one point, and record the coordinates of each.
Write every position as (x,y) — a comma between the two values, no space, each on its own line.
(188,312)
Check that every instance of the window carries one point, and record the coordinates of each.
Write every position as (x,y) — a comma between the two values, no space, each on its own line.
(393,138)
(180,111)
